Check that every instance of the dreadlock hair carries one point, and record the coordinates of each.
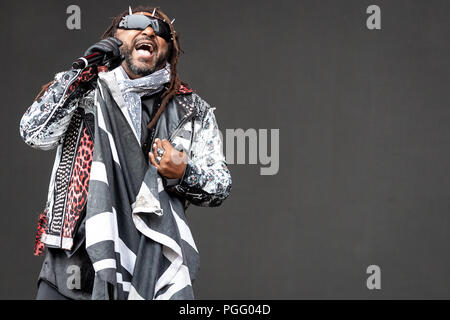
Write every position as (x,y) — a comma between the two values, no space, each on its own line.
(174,53)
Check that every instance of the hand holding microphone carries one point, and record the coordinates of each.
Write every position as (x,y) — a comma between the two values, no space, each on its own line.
(104,53)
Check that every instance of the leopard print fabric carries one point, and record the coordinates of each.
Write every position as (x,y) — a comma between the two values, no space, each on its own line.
(79,183)
(39,246)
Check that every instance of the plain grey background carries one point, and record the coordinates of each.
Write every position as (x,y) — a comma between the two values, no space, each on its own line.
(364,142)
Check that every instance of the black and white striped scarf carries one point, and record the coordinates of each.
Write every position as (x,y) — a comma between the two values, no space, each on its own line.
(136,233)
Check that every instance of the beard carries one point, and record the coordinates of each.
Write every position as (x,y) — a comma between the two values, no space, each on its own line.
(142,70)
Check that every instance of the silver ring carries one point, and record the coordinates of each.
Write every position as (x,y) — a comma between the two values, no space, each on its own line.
(158,159)
(160,152)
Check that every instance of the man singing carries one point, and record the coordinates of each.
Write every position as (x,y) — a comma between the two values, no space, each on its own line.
(134,147)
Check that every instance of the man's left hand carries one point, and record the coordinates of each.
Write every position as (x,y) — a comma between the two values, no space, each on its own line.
(172,162)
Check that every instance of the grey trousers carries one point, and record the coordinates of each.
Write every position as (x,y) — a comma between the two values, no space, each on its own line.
(48,292)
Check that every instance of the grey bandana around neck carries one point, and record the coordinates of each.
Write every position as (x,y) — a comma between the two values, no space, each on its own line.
(133,89)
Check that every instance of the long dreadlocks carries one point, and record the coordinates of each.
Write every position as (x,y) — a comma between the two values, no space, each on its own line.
(174,53)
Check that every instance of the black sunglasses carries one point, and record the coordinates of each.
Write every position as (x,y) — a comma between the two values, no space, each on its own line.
(142,22)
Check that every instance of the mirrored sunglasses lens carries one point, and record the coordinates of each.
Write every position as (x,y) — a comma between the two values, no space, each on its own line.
(141,22)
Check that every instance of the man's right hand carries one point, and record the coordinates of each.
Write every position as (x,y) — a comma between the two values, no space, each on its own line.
(111,47)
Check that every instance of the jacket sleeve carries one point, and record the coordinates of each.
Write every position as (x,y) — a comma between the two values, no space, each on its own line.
(206,181)
(45,122)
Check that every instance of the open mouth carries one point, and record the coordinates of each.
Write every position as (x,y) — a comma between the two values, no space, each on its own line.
(144,49)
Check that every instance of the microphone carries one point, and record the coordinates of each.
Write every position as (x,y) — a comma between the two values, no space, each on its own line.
(83,62)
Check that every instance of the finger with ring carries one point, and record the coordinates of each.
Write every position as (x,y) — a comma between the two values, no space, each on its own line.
(160,152)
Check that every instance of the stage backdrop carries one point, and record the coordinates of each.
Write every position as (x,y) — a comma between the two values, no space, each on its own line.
(346,105)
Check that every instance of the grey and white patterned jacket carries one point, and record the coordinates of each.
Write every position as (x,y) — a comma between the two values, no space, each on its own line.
(58,118)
